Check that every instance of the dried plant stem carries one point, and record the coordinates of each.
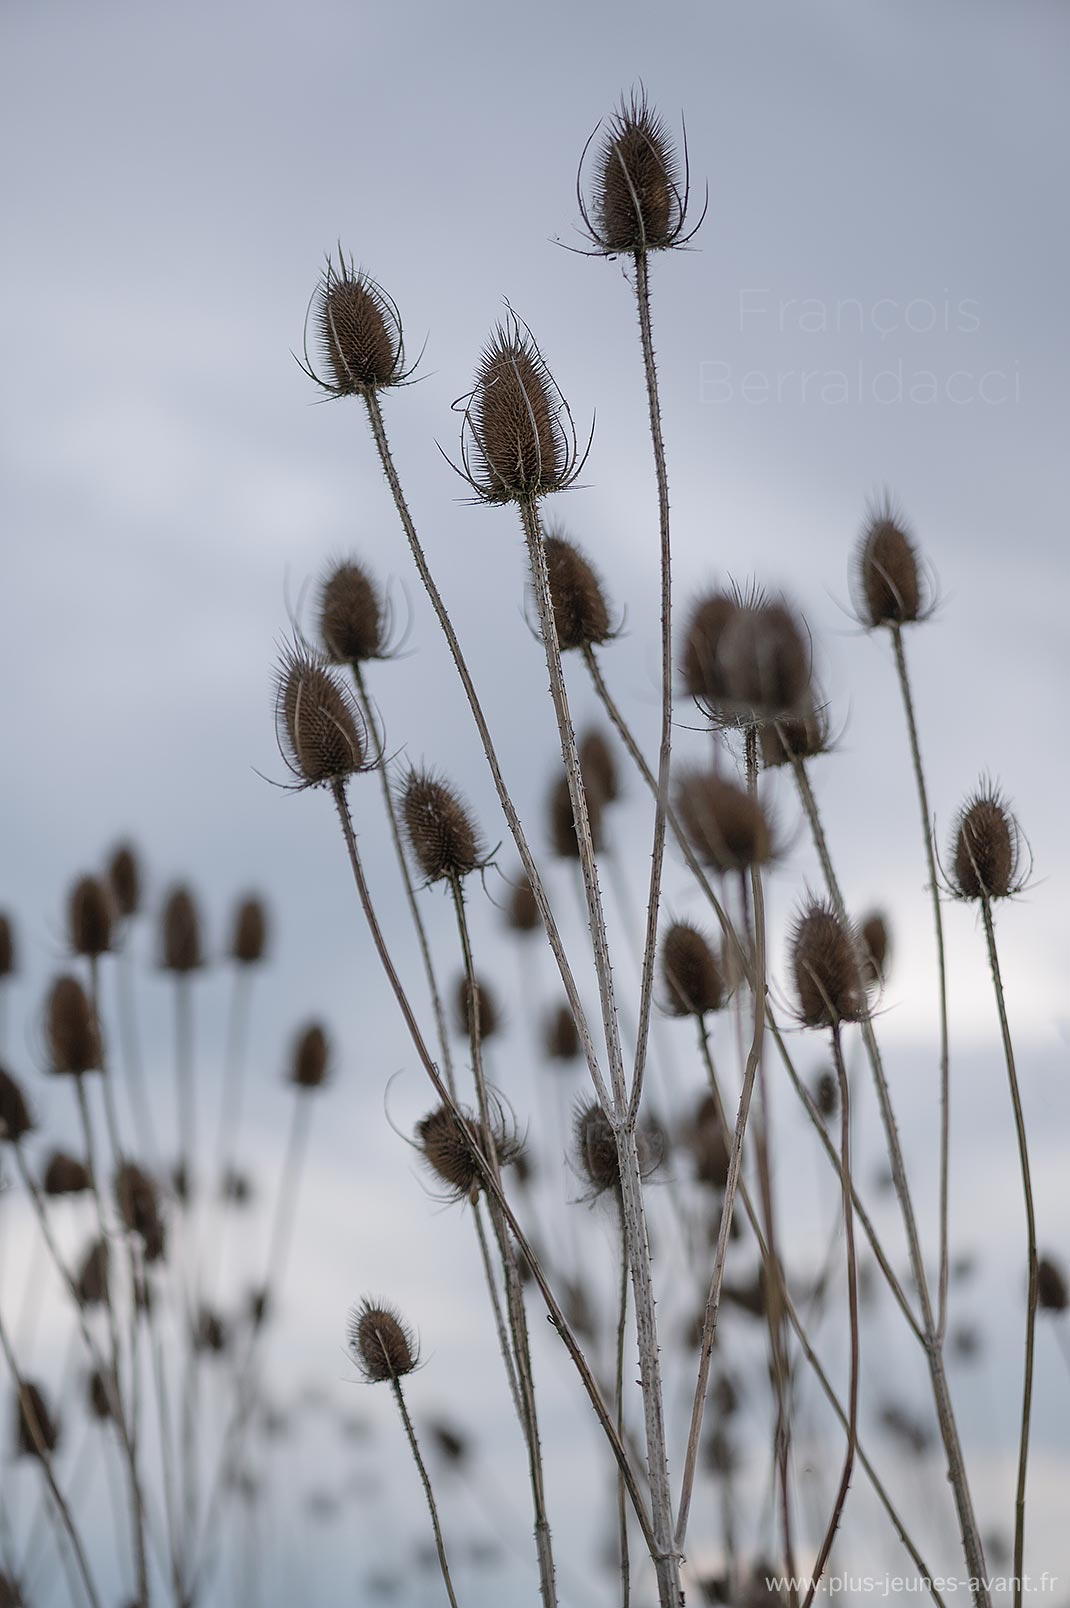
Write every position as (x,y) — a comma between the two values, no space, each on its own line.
(428,1493)
(556,1314)
(941,968)
(496,1308)
(231,1103)
(130,1051)
(1031,1230)
(621,1111)
(622,1504)
(852,1300)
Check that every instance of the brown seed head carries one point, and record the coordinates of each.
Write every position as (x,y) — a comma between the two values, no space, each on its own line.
(359,332)
(826,969)
(827,1095)
(517,443)
(124,879)
(700,662)
(694,983)
(7,946)
(351,616)
(596,1148)
(73,1033)
(89,917)
(92,1280)
(1052,1292)
(180,932)
(382,1346)
(581,613)
(802,736)
(986,848)
(727,828)
(320,731)
(98,1396)
(446,1143)
(563,839)
(875,946)
(598,766)
(249,940)
(561,1035)
(65,1175)
(211,1334)
(488,1017)
(706,1140)
(522,912)
(636,202)
(138,1201)
(15,1119)
(888,584)
(439,826)
(36,1431)
(310,1058)
(764,663)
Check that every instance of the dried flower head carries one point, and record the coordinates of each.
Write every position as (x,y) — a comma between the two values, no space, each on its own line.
(89,917)
(439,827)
(888,587)
(826,970)
(91,1282)
(210,1334)
(986,848)
(487,1014)
(98,1396)
(827,1095)
(138,1201)
(180,932)
(638,199)
(561,1036)
(15,1119)
(65,1175)
(563,839)
(382,1346)
(694,982)
(803,736)
(700,662)
(351,616)
(875,943)
(449,1145)
(1053,1295)
(358,331)
(522,911)
(320,731)
(727,828)
(581,613)
(707,1141)
(517,440)
(310,1059)
(124,879)
(595,1149)
(36,1430)
(449,1442)
(72,1030)
(763,658)
(598,766)
(249,939)
(7,946)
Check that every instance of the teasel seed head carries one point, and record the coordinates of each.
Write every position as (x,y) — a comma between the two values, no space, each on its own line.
(700,663)
(7,946)
(138,1201)
(72,1029)
(211,1334)
(705,1138)
(89,917)
(92,1279)
(638,199)
(249,940)
(98,1396)
(124,880)
(563,839)
(764,663)
(598,766)
(581,613)
(382,1345)
(310,1059)
(320,730)
(358,331)
(826,969)
(36,1429)
(888,586)
(181,949)
(875,942)
(489,1017)
(65,1175)
(827,1095)
(517,439)
(727,828)
(595,1149)
(15,1119)
(561,1036)
(522,912)
(1053,1294)
(446,1143)
(693,980)
(351,616)
(802,736)
(441,833)
(986,848)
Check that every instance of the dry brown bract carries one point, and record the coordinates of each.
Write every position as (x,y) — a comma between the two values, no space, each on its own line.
(439,826)
(638,199)
(358,330)
(382,1346)
(320,731)
(517,439)
(826,969)
(986,848)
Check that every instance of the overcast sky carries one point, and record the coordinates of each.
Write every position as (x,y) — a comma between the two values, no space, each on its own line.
(877,298)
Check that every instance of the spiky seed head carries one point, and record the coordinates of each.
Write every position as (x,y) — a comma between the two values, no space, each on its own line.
(450,1443)
(381,1344)
(98,1396)
(489,1016)
(15,1119)
(727,828)
(803,736)
(764,661)
(439,827)
(700,663)
(65,1175)
(825,967)
(92,1279)
(827,1095)
(310,1059)
(124,880)
(89,917)
(561,1035)
(7,946)
(351,616)
(705,1138)
(72,1029)
(359,332)
(598,766)
(636,202)
(875,944)
(694,982)
(522,912)
(320,729)
(516,446)
(1053,1295)
(563,839)
(446,1143)
(36,1429)
(986,848)
(581,613)
(888,587)
(596,1148)
(249,939)
(138,1201)
(181,947)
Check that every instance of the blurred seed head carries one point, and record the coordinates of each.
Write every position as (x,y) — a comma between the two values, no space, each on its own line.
(98,1396)
(1053,1294)
(705,1138)
(826,969)
(15,1119)
(236,1187)
(875,944)
(764,664)
(65,1175)
(638,198)
(561,1037)
(562,822)
(452,1445)
(249,938)
(36,1429)
(488,1014)
(358,333)
(181,948)
(448,1145)
(351,616)
(138,1200)
(827,1095)
(581,613)
(692,978)
(522,912)
(124,880)
(986,848)
(595,1148)
(888,588)
(320,730)
(89,917)
(211,1335)
(439,827)
(726,827)
(380,1343)
(700,662)
(91,1281)
(804,736)
(310,1058)
(72,1030)
(517,440)
(598,766)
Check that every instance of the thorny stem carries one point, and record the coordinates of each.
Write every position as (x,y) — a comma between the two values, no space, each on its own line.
(852,1301)
(228,1134)
(622,1505)
(938,926)
(425,1479)
(496,1308)
(657,858)
(556,1315)
(620,1114)
(1031,1229)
